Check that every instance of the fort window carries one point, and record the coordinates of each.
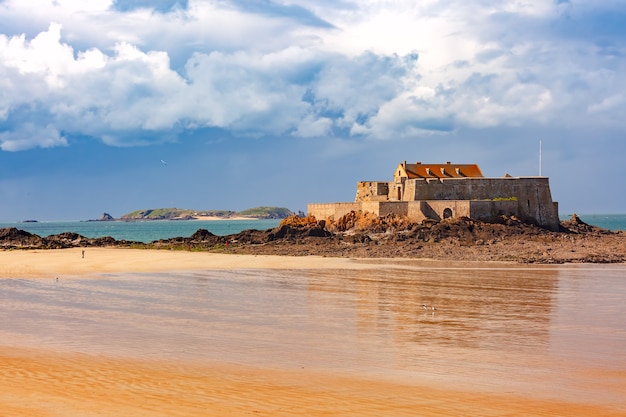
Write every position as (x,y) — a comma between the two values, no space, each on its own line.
(447,213)
(399,193)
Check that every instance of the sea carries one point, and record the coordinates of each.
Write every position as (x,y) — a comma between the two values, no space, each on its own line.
(606,221)
(149,231)
(142,231)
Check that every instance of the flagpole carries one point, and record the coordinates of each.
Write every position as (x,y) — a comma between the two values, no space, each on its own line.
(540,158)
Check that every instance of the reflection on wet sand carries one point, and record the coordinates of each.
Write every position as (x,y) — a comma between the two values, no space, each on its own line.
(485,311)
(483,323)
(551,333)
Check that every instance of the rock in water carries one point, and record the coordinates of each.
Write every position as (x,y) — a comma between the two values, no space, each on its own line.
(106,217)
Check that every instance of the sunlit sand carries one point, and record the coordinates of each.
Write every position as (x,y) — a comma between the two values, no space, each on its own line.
(77,261)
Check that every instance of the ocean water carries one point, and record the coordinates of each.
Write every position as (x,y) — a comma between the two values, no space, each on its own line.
(147,231)
(606,221)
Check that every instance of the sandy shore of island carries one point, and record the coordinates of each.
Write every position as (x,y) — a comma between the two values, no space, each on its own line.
(78,261)
(215,218)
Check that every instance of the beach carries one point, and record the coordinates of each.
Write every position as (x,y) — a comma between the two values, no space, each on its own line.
(175,333)
(87,261)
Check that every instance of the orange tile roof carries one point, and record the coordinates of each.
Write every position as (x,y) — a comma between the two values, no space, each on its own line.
(447,170)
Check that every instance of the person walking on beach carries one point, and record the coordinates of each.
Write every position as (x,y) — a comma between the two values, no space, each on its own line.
(83,254)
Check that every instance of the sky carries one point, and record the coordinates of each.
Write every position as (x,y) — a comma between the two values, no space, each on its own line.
(119,105)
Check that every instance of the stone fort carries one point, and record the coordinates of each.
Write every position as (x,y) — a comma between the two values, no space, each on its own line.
(439,191)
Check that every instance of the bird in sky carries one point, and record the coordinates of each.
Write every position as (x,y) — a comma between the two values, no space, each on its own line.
(163,162)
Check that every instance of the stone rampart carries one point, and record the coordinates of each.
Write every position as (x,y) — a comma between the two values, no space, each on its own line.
(399,208)
(372,191)
(489,209)
(529,198)
(440,209)
(331,210)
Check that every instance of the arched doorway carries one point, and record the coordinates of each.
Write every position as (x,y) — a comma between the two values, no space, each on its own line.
(447,213)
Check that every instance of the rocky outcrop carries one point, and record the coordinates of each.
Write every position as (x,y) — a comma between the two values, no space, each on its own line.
(294,226)
(13,238)
(576,225)
(106,217)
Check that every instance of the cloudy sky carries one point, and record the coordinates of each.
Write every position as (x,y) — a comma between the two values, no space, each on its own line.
(286,102)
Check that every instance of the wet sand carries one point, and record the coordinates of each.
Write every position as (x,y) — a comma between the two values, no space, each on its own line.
(45,384)
(149,333)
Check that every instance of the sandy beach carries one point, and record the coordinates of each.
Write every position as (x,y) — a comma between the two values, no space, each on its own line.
(219,218)
(83,262)
(44,371)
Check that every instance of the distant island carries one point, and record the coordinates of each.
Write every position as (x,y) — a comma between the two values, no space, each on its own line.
(189,214)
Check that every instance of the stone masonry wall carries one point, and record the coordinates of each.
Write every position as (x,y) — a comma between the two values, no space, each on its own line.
(486,209)
(531,194)
(372,191)
(399,208)
(435,209)
(331,210)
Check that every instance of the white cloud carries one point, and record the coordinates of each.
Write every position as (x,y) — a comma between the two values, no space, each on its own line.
(608,104)
(111,74)
(29,135)
(538,8)
(314,126)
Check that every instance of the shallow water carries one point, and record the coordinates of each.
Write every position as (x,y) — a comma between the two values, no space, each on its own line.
(554,332)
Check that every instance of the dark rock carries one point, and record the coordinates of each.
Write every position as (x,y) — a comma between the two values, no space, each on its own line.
(318,232)
(201,235)
(12,237)
(106,217)
(8,233)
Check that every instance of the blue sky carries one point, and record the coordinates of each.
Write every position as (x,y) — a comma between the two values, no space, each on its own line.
(271,102)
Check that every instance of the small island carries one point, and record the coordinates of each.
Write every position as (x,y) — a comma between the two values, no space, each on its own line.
(262,212)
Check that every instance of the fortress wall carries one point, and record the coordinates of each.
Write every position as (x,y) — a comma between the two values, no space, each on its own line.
(336,210)
(486,209)
(435,209)
(532,194)
(399,208)
(480,188)
(394,195)
(331,210)
(416,210)
(409,190)
(372,191)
